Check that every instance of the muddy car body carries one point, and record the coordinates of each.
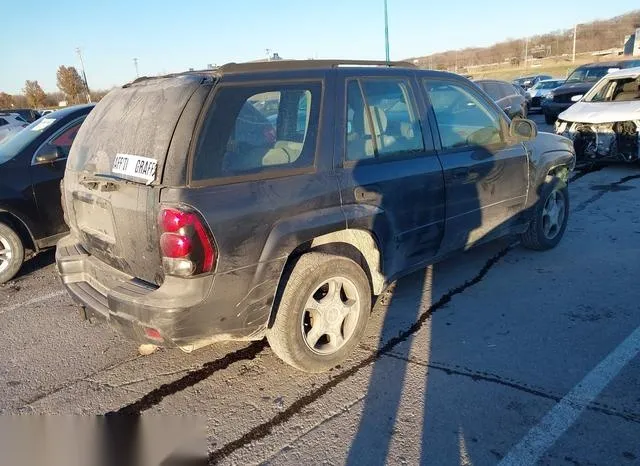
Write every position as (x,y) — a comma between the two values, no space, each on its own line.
(185,232)
(605,123)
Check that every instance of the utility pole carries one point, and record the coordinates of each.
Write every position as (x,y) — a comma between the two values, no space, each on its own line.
(84,75)
(526,52)
(386,32)
(575,30)
(135,63)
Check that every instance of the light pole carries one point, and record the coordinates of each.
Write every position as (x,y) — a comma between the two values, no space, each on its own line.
(386,32)
(575,30)
(84,75)
(135,63)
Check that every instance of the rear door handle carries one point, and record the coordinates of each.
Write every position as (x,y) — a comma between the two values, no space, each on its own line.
(363,194)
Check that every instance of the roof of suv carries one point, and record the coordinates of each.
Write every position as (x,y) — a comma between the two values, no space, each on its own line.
(279,65)
(610,64)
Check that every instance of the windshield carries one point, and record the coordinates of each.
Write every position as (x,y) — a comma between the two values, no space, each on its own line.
(9,148)
(587,74)
(547,85)
(615,90)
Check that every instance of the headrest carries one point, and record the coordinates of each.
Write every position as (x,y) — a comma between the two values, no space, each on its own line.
(379,121)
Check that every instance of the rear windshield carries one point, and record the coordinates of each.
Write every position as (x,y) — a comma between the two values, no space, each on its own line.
(137,121)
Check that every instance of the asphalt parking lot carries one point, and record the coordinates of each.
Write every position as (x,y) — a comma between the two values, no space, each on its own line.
(499,355)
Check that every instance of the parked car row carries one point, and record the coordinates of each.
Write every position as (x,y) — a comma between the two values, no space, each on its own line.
(577,85)
(10,124)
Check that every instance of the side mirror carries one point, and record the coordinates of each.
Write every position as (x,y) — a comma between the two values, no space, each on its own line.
(576,98)
(48,154)
(522,129)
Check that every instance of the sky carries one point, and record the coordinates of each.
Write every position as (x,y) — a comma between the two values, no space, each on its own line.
(170,36)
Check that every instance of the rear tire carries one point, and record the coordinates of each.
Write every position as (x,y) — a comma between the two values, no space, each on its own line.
(11,253)
(550,217)
(323,312)
(549,119)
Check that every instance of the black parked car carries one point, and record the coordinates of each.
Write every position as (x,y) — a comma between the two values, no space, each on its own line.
(508,97)
(577,84)
(28,114)
(527,82)
(31,166)
(192,224)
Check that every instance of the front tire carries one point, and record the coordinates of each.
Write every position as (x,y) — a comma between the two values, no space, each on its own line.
(11,253)
(550,217)
(323,312)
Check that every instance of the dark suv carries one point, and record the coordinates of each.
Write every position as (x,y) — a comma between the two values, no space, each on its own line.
(577,84)
(276,198)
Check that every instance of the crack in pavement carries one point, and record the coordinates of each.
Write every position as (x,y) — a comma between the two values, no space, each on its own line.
(511,383)
(264,429)
(53,391)
(604,190)
(155,396)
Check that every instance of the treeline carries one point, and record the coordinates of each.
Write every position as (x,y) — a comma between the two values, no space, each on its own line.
(73,90)
(590,37)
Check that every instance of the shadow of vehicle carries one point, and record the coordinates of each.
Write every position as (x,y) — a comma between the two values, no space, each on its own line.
(36,263)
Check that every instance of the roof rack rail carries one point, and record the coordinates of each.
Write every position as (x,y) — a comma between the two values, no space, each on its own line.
(305,64)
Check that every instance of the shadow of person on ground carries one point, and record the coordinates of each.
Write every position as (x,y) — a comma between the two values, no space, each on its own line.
(471,185)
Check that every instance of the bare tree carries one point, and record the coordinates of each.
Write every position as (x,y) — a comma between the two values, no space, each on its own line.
(70,83)
(35,95)
(5,100)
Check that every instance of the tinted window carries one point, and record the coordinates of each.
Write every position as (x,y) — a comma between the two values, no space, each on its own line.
(390,111)
(3,122)
(250,129)
(65,139)
(463,118)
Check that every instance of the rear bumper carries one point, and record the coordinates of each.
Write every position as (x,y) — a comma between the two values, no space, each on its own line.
(180,310)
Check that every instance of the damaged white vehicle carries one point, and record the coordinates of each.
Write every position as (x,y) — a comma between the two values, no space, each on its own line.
(604,124)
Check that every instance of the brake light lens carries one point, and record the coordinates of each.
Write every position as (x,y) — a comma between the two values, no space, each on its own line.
(174,245)
(185,242)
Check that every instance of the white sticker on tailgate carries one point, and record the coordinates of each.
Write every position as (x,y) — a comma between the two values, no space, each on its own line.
(135,166)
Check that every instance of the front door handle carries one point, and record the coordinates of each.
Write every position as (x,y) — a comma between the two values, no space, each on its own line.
(460,173)
(368,194)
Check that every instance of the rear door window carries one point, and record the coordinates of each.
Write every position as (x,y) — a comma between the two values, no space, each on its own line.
(390,111)
(255,129)
(3,122)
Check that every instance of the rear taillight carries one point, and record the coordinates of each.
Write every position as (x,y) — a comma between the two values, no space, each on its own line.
(185,243)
